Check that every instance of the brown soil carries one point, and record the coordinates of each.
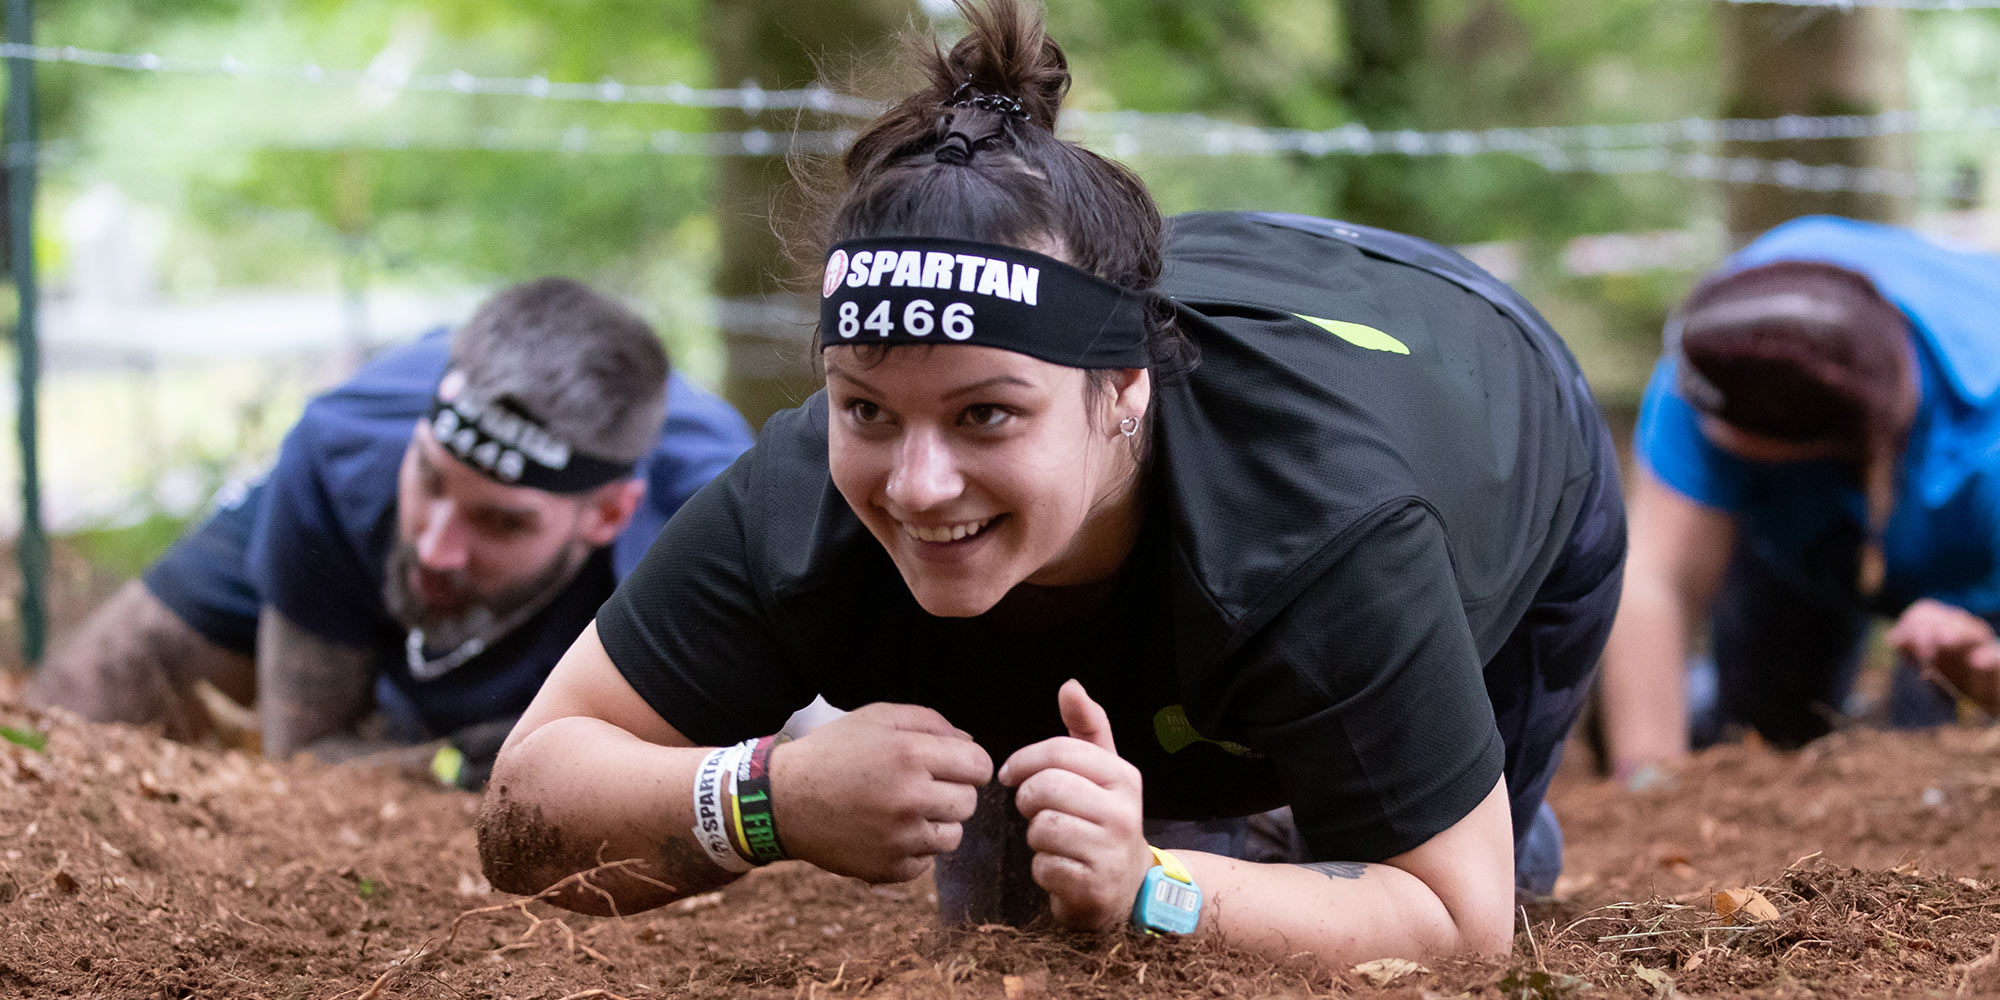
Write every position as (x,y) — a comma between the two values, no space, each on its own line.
(132,867)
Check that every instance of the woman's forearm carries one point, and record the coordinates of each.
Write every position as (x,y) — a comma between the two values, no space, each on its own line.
(582,795)
(1452,894)
(1342,912)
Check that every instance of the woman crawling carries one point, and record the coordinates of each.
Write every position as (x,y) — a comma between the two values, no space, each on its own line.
(1240,576)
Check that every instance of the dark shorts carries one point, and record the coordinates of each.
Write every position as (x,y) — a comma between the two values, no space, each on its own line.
(1538,682)
(204,578)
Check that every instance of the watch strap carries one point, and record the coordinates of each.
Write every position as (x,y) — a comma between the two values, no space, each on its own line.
(1171,865)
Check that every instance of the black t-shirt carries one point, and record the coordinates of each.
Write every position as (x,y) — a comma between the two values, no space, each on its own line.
(1343,525)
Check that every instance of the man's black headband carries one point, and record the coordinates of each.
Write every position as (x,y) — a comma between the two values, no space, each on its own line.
(938,291)
(507,445)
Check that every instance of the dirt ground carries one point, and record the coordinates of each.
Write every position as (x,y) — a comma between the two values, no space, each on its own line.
(131,867)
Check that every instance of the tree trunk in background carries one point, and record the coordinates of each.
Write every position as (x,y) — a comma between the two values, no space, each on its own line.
(1780,60)
(1384,42)
(766,326)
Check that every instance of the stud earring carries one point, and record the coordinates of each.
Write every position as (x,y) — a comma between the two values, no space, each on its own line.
(1128,426)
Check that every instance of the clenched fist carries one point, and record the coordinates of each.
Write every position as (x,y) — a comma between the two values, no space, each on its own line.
(877,792)
(1085,817)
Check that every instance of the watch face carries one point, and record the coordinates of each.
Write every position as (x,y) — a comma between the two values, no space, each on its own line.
(1166,906)
(1173,895)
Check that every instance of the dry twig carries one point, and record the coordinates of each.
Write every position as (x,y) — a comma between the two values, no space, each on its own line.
(578,880)
(395,972)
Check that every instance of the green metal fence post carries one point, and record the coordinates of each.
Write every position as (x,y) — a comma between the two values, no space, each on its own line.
(22,162)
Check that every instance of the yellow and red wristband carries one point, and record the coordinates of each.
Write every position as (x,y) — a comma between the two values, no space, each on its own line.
(753,827)
(733,819)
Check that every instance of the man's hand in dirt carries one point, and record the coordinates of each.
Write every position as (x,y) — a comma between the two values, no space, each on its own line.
(1954,644)
(877,792)
(1085,817)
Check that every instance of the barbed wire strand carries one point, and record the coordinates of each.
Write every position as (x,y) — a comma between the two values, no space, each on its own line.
(1167,131)
(580,141)
(749,98)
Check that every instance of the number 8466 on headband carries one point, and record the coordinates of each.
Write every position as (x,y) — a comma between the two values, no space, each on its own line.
(919,318)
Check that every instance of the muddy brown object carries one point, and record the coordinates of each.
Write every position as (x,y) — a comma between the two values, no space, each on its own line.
(200,873)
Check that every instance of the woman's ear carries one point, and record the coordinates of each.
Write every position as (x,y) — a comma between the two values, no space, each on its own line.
(1131,395)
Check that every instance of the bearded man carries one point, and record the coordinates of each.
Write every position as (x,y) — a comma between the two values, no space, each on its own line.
(434,534)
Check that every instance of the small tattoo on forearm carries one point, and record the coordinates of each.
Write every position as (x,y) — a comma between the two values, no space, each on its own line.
(1337,869)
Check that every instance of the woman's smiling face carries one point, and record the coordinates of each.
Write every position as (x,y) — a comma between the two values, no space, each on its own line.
(979,468)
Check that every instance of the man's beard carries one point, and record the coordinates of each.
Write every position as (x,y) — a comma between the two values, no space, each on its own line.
(481,617)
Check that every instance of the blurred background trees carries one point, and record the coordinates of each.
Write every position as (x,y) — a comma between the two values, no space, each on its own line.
(215,247)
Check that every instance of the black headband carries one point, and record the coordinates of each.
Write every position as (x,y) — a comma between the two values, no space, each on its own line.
(930,291)
(504,443)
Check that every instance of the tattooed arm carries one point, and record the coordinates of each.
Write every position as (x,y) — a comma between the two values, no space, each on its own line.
(1454,893)
(310,692)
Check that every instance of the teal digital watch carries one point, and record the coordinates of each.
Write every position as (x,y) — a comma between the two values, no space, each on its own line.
(1169,902)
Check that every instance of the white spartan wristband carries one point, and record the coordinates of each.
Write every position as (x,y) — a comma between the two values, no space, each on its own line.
(712,787)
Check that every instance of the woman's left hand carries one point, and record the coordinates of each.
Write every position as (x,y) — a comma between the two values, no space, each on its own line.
(1085,817)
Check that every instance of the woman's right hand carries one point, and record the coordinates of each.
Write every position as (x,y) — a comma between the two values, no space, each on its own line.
(877,792)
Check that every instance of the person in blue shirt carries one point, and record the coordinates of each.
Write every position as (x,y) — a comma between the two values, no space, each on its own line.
(1820,446)
(436,531)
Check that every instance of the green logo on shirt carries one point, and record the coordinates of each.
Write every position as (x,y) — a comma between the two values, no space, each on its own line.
(1176,733)
(1358,335)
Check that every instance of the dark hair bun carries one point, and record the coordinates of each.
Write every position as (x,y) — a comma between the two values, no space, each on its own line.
(1005,76)
(1006,52)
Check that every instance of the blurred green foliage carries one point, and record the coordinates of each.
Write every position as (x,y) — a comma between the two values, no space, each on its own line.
(211,150)
(126,549)
(1472,64)
(222,159)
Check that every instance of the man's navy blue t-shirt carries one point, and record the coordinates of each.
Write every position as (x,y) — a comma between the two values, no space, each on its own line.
(313,540)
